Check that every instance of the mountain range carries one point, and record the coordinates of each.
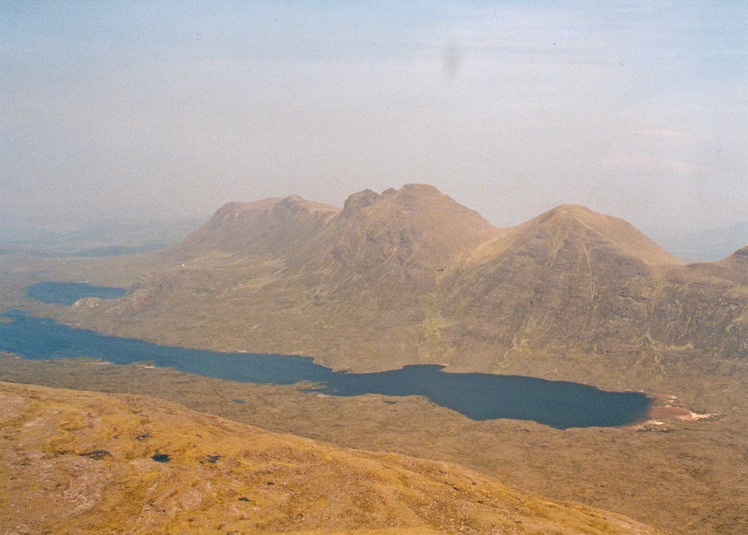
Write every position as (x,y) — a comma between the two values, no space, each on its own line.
(411,276)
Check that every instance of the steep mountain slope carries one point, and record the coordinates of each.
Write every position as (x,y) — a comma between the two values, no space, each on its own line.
(384,256)
(86,462)
(411,276)
(274,227)
(705,305)
(570,278)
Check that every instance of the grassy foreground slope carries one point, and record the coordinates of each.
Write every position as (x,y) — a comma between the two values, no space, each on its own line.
(83,462)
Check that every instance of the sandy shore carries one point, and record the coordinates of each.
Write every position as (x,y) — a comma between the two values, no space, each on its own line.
(664,408)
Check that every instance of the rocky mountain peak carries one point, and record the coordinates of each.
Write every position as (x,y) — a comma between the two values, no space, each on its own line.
(571,223)
(358,201)
(416,216)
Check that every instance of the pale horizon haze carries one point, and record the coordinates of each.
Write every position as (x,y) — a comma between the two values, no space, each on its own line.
(161,110)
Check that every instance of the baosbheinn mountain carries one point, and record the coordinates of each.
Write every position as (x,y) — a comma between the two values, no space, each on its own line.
(410,276)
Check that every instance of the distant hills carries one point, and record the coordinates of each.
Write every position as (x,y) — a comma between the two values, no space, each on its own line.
(411,276)
(708,244)
(102,240)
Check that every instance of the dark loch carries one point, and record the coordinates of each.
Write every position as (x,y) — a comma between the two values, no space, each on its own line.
(476,395)
(67,293)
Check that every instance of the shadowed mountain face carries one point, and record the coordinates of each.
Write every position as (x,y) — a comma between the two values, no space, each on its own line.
(410,276)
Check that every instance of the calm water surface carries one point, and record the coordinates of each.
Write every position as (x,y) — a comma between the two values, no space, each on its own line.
(476,395)
(67,293)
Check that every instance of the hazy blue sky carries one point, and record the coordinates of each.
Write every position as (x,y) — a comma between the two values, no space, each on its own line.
(155,110)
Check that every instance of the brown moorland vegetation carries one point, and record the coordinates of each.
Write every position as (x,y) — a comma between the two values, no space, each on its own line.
(95,463)
(410,276)
(384,282)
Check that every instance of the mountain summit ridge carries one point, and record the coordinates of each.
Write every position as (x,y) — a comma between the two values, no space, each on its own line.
(411,276)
